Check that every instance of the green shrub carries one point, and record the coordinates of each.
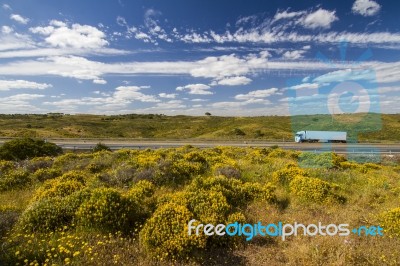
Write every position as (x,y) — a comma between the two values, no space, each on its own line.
(316,160)
(6,166)
(39,163)
(208,206)
(108,210)
(236,192)
(47,214)
(285,175)
(14,180)
(390,221)
(142,189)
(315,190)
(165,234)
(44,174)
(21,149)
(51,213)
(57,188)
(101,147)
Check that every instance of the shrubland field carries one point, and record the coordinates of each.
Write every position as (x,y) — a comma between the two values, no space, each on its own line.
(131,207)
(363,127)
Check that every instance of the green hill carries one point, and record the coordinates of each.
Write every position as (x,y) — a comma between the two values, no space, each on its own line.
(364,127)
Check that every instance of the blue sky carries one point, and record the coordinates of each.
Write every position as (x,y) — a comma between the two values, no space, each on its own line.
(231,58)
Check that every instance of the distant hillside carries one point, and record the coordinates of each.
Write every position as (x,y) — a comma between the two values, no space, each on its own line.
(364,127)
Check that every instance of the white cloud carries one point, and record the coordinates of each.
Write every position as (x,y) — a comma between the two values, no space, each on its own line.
(120,98)
(173,104)
(6,85)
(167,95)
(346,75)
(6,7)
(99,81)
(305,86)
(217,68)
(320,18)
(6,29)
(366,7)
(257,94)
(24,97)
(132,93)
(293,55)
(287,15)
(77,36)
(234,81)
(11,42)
(20,103)
(200,89)
(19,18)
(199,100)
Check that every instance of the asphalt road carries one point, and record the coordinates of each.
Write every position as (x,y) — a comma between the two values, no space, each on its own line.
(80,144)
(316,147)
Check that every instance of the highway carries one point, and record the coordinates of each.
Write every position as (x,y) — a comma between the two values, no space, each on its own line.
(315,147)
(364,148)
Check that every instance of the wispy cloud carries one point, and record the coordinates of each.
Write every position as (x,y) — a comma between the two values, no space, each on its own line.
(18,18)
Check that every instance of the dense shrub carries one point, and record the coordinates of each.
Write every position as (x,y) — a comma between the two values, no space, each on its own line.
(208,206)
(14,180)
(315,190)
(315,160)
(57,188)
(101,147)
(21,149)
(236,192)
(285,175)
(44,174)
(165,234)
(108,210)
(47,214)
(51,213)
(39,163)
(390,221)
(122,176)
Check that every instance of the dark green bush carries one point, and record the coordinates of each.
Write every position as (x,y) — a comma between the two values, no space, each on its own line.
(21,149)
(101,147)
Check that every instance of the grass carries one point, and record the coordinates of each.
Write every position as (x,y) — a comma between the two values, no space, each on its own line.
(364,127)
(163,176)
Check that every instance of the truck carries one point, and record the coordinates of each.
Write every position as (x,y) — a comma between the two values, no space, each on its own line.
(320,136)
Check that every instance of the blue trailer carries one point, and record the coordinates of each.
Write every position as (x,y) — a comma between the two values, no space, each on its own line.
(321,136)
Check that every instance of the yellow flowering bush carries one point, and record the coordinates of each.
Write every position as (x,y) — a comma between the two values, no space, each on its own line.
(57,188)
(165,234)
(310,189)
(43,174)
(107,210)
(236,192)
(6,166)
(285,175)
(142,189)
(47,214)
(14,179)
(280,153)
(208,206)
(390,222)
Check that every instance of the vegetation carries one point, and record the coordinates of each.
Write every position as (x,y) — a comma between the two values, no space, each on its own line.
(132,207)
(363,127)
(21,149)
